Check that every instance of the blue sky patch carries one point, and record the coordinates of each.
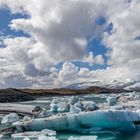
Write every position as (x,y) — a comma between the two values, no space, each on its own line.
(100,20)
(5,19)
(137,37)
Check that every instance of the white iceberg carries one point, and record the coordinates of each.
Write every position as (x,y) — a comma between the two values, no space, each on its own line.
(80,105)
(58,105)
(10,118)
(111,101)
(44,113)
(42,137)
(74,109)
(26,138)
(54,105)
(63,107)
(34,134)
(84,122)
(89,105)
(26,118)
(73,100)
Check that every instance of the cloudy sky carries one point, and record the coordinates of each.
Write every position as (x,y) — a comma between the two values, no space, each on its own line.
(54,43)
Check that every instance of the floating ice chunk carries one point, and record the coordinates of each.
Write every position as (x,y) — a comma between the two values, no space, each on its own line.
(10,118)
(85,122)
(42,137)
(34,134)
(122,99)
(36,111)
(59,106)
(54,105)
(132,105)
(134,96)
(118,107)
(26,138)
(55,101)
(49,132)
(80,105)
(74,109)
(137,97)
(26,118)
(89,105)
(73,100)
(83,138)
(111,101)
(63,107)
(44,114)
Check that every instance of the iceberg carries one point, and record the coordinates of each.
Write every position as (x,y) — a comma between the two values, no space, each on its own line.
(63,107)
(54,105)
(89,105)
(46,138)
(84,122)
(73,100)
(44,113)
(74,109)
(111,101)
(36,111)
(26,138)
(10,118)
(80,105)
(59,106)
(34,134)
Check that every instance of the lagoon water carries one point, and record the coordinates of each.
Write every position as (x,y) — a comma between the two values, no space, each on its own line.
(44,102)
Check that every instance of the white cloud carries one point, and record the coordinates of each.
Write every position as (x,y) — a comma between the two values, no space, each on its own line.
(67,74)
(91,59)
(59,31)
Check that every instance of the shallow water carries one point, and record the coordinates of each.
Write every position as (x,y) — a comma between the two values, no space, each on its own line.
(44,102)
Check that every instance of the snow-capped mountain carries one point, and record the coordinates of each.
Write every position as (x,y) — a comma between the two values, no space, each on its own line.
(129,85)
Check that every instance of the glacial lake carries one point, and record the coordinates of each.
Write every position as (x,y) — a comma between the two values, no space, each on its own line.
(45,102)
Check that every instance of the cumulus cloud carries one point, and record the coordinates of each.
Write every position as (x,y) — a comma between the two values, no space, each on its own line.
(59,32)
(98,59)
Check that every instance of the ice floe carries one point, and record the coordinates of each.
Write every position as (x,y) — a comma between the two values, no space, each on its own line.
(85,122)
(42,137)
(34,134)
(10,118)
(111,101)
(26,138)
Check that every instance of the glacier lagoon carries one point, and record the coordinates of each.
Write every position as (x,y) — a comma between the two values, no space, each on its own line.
(98,99)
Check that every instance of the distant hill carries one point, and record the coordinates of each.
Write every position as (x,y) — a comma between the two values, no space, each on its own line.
(17,95)
(13,95)
(114,84)
(66,91)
